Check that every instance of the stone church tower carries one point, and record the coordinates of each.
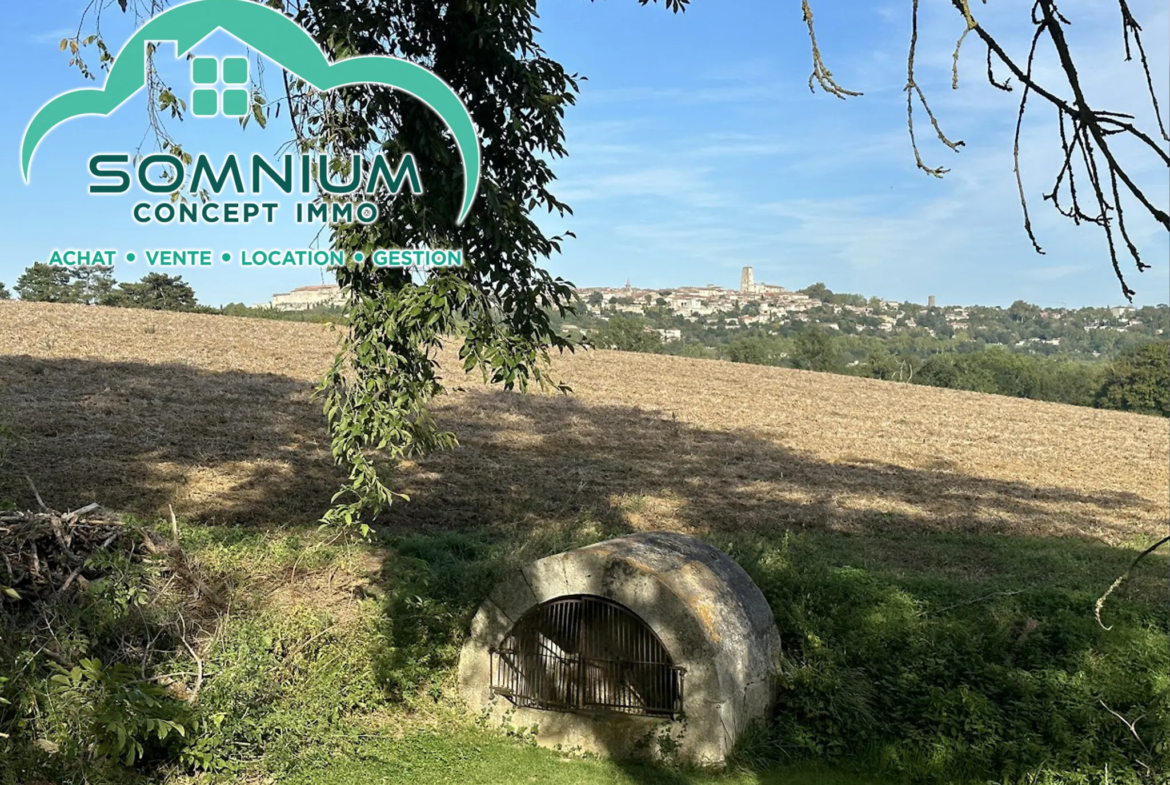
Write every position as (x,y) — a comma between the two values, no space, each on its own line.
(746,280)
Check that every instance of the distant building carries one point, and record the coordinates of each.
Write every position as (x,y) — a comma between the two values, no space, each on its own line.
(930,301)
(748,285)
(747,279)
(304,298)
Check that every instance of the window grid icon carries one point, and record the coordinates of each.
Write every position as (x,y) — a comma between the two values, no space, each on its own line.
(206,100)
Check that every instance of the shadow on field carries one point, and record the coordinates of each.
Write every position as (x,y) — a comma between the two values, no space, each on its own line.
(220,447)
(916,634)
(232,447)
(539,457)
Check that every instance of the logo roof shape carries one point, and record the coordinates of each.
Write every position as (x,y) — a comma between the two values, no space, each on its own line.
(283,41)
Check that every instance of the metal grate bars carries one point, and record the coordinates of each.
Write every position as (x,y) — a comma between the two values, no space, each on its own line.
(586,654)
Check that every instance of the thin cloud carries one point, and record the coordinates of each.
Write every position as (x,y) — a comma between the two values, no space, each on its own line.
(1055,273)
(52,35)
(691,96)
(667,183)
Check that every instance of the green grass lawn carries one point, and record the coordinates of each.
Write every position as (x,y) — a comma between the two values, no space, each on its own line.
(467,758)
(922,658)
(932,657)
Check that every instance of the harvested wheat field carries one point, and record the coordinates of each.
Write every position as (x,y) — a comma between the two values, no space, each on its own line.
(138,410)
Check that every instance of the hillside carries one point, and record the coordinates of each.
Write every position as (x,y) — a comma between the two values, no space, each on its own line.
(932,558)
(140,409)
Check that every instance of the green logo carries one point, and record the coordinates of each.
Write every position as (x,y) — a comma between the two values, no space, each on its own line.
(205,71)
(280,39)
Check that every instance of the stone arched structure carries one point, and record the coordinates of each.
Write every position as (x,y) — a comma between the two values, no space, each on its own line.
(701,606)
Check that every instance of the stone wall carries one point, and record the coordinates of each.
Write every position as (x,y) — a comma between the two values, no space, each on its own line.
(704,608)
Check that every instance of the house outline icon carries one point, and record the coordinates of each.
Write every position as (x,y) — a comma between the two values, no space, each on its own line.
(280,39)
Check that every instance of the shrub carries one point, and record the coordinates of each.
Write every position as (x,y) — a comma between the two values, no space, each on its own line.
(1139,380)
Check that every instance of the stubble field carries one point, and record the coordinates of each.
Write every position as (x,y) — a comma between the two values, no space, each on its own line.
(932,557)
(138,410)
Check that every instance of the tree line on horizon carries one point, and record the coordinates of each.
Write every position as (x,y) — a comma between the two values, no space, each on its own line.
(1136,380)
(1084,333)
(95,285)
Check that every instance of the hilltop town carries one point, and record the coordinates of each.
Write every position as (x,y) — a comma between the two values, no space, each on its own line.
(714,306)
(711,313)
(771,307)
(306,298)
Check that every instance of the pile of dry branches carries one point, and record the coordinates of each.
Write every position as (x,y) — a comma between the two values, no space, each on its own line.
(47,557)
(45,553)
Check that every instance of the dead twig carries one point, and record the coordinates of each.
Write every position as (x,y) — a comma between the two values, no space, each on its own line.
(977,600)
(104,544)
(46,552)
(1131,725)
(174,526)
(36,493)
(198,663)
(820,73)
(70,517)
(912,89)
(1124,576)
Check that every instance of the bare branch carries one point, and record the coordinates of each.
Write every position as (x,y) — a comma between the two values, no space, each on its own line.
(913,89)
(1101,602)
(821,74)
(1088,132)
(1005,85)
(1130,25)
(955,60)
(1016,142)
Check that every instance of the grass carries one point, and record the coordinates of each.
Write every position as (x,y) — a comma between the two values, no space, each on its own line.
(912,671)
(976,661)
(469,757)
(932,557)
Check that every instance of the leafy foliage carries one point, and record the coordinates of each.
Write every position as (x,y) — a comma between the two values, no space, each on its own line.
(627,334)
(1024,351)
(378,390)
(157,292)
(81,701)
(996,370)
(816,350)
(1139,380)
(42,283)
(95,285)
(4,293)
(940,682)
(322,315)
(821,292)
(120,713)
(88,285)
(756,351)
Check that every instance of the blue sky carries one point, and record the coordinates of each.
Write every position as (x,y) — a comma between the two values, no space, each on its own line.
(695,148)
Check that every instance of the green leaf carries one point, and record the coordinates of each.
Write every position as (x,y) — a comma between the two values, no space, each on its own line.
(258,113)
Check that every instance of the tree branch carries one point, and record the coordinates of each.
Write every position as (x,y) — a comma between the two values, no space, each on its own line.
(1125,575)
